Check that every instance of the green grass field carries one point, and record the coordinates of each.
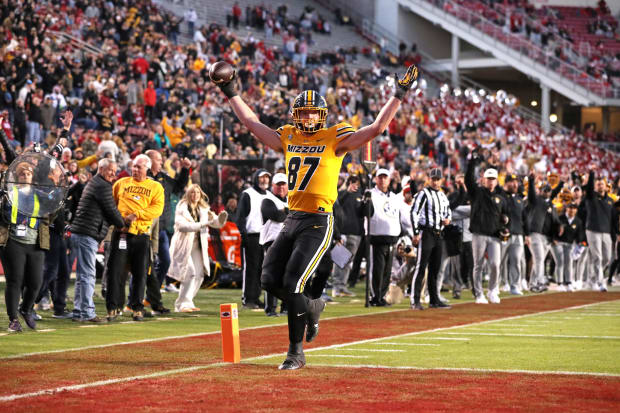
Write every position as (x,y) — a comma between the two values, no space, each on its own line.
(580,340)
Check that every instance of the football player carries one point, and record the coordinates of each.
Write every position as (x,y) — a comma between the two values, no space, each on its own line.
(313,157)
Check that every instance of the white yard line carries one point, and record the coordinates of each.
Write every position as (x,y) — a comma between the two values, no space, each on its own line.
(476,370)
(536,335)
(601,315)
(442,338)
(405,344)
(348,356)
(374,350)
(335,346)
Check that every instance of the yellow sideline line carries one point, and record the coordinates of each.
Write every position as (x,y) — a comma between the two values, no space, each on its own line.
(51,391)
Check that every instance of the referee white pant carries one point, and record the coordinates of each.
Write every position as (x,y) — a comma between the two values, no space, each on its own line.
(482,244)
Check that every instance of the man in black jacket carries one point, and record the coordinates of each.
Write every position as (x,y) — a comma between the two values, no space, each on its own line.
(488,213)
(542,223)
(95,213)
(574,233)
(512,249)
(599,228)
(350,201)
(171,186)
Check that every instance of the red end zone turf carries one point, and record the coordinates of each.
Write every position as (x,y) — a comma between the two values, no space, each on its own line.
(248,386)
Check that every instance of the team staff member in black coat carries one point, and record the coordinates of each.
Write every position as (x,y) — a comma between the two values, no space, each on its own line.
(95,213)
(350,201)
(488,214)
(543,224)
(513,249)
(429,215)
(574,233)
(599,229)
(171,186)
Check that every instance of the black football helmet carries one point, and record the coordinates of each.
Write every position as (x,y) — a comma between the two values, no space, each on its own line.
(309,100)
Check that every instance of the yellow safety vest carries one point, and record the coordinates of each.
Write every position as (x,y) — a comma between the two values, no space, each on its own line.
(35,211)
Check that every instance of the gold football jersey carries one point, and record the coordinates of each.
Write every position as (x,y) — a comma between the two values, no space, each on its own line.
(312,166)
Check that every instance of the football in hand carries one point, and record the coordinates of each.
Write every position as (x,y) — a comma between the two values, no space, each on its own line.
(221,72)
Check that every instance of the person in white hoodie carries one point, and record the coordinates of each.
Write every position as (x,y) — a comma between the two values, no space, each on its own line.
(189,246)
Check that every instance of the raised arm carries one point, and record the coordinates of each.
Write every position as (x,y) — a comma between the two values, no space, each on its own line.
(590,185)
(369,132)
(261,131)
(247,116)
(385,116)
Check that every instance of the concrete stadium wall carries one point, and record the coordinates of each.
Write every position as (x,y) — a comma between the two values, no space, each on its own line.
(411,28)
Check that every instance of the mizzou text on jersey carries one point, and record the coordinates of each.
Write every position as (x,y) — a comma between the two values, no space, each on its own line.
(312,166)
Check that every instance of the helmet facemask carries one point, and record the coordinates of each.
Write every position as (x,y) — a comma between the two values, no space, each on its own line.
(311,123)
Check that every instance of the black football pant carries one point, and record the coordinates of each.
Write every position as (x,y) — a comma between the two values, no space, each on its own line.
(153,286)
(354,275)
(137,256)
(23,270)
(252,263)
(467,264)
(429,255)
(56,273)
(271,301)
(380,270)
(291,261)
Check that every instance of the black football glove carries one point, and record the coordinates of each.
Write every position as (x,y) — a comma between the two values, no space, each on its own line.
(403,85)
(228,88)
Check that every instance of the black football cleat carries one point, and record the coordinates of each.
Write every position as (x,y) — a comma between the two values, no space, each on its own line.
(417,307)
(28,317)
(441,305)
(293,362)
(315,308)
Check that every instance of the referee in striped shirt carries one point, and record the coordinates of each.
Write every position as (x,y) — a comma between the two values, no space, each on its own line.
(430,213)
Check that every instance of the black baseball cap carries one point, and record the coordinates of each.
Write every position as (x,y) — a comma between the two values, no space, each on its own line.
(436,173)
(511,177)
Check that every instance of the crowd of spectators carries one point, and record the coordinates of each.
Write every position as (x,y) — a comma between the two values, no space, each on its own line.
(146,91)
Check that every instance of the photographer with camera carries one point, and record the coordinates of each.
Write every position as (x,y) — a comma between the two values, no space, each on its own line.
(402,270)
(25,236)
